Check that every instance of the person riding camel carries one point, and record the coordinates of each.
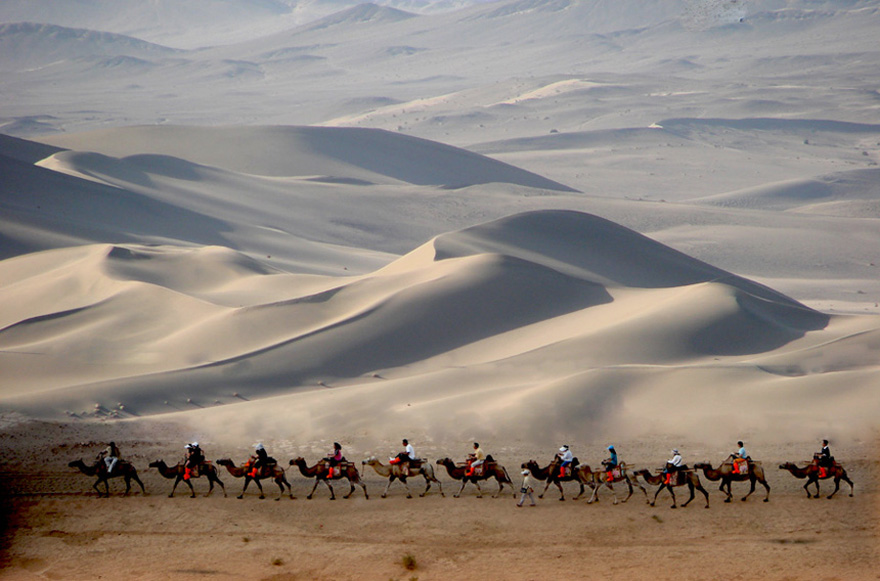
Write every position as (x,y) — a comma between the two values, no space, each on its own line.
(824,458)
(263,460)
(407,455)
(611,462)
(673,465)
(194,458)
(566,457)
(475,459)
(740,459)
(335,457)
(110,455)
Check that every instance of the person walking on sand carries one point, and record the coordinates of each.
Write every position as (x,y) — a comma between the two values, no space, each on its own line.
(526,489)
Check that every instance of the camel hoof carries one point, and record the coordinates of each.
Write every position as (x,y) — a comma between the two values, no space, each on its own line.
(422,495)
(766,500)
(384,496)
(726,500)
(277,499)
(673,506)
(615,502)
(240,497)
(262,498)
(409,495)
(744,499)
(562,499)
(309,497)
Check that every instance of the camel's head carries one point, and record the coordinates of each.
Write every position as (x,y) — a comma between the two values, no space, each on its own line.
(224,462)
(75,463)
(530,465)
(701,465)
(444,461)
(297,460)
(787,466)
(156,463)
(370,460)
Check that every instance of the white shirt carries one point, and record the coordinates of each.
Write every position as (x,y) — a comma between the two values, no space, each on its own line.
(410,451)
(676,460)
(567,456)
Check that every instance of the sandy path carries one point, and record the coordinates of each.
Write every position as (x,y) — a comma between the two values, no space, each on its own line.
(58,530)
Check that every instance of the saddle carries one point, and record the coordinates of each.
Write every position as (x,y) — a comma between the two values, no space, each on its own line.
(740,466)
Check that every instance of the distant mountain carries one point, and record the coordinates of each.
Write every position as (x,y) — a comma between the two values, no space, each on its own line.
(31,44)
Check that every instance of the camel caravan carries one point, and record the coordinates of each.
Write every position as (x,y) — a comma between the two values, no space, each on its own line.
(477,467)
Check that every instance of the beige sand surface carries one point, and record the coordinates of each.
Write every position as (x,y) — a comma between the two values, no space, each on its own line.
(58,529)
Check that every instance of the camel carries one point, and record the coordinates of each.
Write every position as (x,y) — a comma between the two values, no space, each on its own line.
(725,474)
(396,472)
(490,469)
(273,471)
(177,472)
(813,475)
(691,478)
(99,469)
(550,473)
(320,473)
(600,477)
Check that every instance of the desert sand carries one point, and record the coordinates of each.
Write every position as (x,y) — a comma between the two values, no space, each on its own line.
(528,223)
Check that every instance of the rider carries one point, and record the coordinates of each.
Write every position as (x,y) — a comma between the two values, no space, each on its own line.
(335,457)
(407,455)
(194,457)
(611,462)
(740,457)
(566,457)
(672,466)
(824,455)
(263,460)
(111,456)
(475,459)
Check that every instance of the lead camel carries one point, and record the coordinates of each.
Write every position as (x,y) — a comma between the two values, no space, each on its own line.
(813,474)
(123,469)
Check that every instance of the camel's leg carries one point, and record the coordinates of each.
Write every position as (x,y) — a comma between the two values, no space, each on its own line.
(851,487)
(611,488)
(705,493)
(387,486)
(753,482)
(247,480)
(210,486)
(283,480)
(546,486)
(408,492)
(556,482)
(816,482)
(127,485)
(427,485)
(672,493)
(836,488)
(350,492)
(364,486)
(576,497)
(138,480)
(260,486)
(727,494)
(594,497)
(312,493)
(629,487)
(501,488)
(463,484)
(656,494)
(479,490)
(440,486)
(330,486)
(691,490)
(98,490)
